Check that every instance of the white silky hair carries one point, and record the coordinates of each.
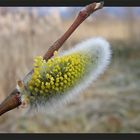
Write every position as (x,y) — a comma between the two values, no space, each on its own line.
(100,50)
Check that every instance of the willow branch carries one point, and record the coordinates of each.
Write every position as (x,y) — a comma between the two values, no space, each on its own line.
(14,99)
(83,14)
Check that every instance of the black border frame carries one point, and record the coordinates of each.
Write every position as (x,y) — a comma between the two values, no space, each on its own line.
(113,3)
(68,136)
(65,136)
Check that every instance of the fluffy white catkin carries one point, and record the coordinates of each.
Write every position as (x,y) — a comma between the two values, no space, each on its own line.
(98,53)
(100,49)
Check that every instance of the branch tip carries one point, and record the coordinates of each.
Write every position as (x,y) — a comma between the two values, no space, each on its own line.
(99,5)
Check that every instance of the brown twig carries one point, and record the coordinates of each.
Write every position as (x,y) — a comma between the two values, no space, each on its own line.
(13,100)
(83,14)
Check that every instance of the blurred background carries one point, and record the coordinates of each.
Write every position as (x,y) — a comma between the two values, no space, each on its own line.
(110,104)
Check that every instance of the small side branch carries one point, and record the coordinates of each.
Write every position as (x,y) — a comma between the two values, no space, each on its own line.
(83,14)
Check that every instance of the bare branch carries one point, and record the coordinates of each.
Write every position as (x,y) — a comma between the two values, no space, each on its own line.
(11,102)
(83,14)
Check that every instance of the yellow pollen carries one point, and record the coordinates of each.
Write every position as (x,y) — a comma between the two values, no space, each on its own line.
(58,74)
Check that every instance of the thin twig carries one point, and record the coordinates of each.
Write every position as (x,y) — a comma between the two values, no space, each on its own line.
(83,14)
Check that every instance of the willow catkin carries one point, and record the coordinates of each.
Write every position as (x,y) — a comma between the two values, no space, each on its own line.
(62,77)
